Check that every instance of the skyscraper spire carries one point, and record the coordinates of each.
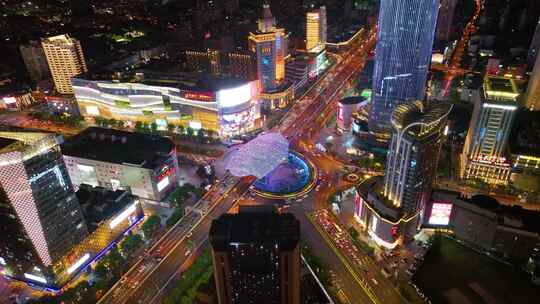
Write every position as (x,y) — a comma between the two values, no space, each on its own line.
(267,22)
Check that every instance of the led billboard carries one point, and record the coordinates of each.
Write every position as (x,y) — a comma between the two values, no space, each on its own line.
(440,214)
(233,97)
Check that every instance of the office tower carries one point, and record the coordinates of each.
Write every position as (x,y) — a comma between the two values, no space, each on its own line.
(484,151)
(34,60)
(65,58)
(444,20)
(256,257)
(532,96)
(316,30)
(390,208)
(403,52)
(40,215)
(269,43)
(534,47)
(417,135)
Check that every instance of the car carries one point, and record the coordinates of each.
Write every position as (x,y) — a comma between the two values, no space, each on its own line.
(187,253)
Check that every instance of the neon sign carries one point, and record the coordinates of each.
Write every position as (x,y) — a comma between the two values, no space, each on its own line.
(440,214)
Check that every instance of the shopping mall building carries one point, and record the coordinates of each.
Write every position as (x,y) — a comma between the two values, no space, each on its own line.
(225,105)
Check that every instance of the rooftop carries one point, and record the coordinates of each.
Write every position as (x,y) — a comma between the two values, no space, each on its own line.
(99,204)
(121,147)
(59,39)
(500,88)
(163,72)
(427,116)
(255,226)
(352,100)
(511,216)
(6,143)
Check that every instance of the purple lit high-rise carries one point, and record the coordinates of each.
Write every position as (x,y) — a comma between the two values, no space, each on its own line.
(404,43)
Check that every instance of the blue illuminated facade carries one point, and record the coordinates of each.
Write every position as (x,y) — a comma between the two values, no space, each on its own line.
(404,44)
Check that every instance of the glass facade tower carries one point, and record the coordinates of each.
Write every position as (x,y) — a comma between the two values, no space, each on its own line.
(40,214)
(404,44)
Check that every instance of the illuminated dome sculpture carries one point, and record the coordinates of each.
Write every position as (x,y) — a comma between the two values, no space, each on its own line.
(259,156)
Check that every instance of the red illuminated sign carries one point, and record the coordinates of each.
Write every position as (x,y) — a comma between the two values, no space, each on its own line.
(201,96)
(340,112)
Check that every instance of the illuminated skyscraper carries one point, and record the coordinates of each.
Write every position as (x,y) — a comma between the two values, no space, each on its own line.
(269,43)
(391,208)
(411,165)
(40,215)
(534,47)
(445,18)
(256,257)
(65,58)
(532,96)
(484,151)
(316,30)
(403,52)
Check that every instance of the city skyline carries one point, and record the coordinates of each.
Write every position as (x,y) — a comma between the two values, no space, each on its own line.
(299,152)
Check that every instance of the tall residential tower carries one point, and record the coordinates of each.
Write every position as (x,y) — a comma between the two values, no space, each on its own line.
(403,53)
(256,257)
(65,57)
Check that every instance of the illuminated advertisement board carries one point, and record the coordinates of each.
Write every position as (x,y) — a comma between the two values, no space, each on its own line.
(78,263)
(200,96)
(235,123)
(440,214)
(233,97)
(9,100)
(124,215)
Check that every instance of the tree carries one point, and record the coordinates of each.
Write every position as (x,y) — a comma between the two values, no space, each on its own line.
(175,217)
(151,225)
(201,135)
(138,126)
(171,128)
(189,132)
(181,194)
(180,129)
(527,183)
(130,244)
(353,232)
(101,272)
(153,127)
(112,122)
(114,261)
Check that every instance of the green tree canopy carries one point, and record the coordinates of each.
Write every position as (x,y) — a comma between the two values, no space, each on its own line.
(151,225)
(131,243)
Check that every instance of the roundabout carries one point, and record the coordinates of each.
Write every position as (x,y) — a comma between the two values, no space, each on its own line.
(293,178)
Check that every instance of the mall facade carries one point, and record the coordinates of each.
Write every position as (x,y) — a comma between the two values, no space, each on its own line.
(223,105)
